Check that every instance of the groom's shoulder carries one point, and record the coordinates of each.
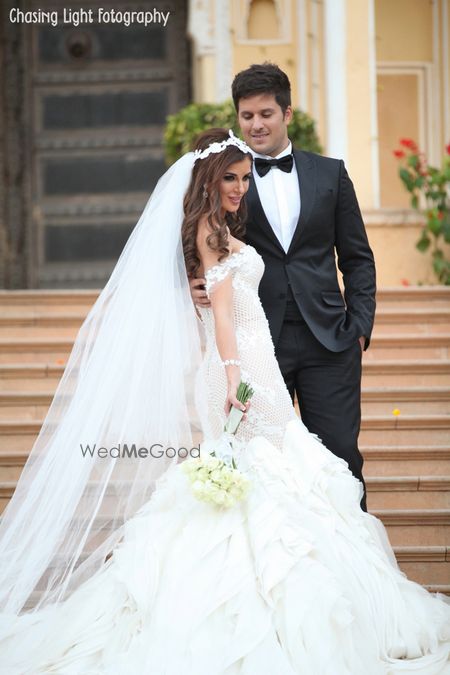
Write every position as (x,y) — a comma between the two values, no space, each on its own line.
(329,165)
(319,160)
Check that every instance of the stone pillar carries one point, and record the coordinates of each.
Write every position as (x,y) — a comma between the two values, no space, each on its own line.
(335,20)
(362,100)
(209,27)
(351,93)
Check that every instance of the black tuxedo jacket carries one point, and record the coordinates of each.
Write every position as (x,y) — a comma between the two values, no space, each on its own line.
(330,224)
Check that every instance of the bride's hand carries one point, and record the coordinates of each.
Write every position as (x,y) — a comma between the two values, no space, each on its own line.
(232,401)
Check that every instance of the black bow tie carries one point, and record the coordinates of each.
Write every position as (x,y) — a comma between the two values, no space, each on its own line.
(263,166)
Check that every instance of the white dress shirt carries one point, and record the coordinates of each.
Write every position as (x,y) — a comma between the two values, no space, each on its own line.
(280,198)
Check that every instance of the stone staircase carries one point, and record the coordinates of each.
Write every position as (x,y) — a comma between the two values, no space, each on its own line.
(407,457)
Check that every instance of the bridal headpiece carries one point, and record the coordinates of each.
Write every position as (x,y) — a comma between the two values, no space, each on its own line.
(220,147)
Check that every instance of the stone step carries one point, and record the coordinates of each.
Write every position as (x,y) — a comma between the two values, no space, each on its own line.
(37,300)
(40,319)
(39,332)
(34,404)
(403,373)
(388,430)
(32,378)
(416,527)
(427,565)
(18,436)
(22,372)
(21,350)
(24,405)
(23,321)
(442,589)
(390,296)
(28,324)
(377,430)
(402,297)
(394,347)
(424,319)
(408,492)
(45,376)
(409,400)
(410,460)
(408,346)
(379,461)
(12,463)
(427,573)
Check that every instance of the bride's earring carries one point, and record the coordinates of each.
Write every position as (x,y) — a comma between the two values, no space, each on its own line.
(205,193)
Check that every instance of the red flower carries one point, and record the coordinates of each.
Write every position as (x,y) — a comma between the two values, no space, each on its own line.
(447,147)
(405,282)
(409,143)
(398,153)
(440,215)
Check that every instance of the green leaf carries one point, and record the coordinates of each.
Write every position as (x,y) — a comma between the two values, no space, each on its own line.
(424,242)
(406,178)
(446,229)
(415,201)
(434,225)
(438,265)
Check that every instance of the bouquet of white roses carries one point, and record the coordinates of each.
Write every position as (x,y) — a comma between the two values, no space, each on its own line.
(216,479)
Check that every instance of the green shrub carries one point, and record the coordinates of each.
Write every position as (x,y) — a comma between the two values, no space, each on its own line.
(429,188)
(183,127)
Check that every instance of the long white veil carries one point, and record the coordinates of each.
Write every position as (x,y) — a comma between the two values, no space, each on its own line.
(131,379)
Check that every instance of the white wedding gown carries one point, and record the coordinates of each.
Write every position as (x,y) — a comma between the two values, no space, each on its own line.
(294,580)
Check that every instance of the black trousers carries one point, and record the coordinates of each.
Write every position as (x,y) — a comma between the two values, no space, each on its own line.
(328,389)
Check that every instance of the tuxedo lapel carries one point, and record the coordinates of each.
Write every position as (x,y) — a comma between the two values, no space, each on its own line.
(306,172)
(258,215)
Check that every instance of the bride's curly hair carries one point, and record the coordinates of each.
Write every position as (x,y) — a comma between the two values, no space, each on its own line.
(206,176)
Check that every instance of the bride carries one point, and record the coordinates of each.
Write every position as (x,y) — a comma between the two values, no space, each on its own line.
(109,563)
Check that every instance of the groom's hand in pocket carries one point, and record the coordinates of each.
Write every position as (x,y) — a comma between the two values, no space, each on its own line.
(198,292)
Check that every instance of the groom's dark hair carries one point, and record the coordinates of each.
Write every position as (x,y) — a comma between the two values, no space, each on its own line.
(264,78)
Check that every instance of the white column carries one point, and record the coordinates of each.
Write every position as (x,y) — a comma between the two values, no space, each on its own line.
(302,51)
(336,81)
(224,56)
(374,140)
(445,70)
(201,31)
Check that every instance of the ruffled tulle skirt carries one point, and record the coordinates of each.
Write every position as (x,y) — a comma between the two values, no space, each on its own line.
(295,580)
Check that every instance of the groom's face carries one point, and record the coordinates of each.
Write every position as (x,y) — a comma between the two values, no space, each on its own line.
(263,124)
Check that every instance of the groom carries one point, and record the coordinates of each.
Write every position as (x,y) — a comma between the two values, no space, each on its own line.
(302,212)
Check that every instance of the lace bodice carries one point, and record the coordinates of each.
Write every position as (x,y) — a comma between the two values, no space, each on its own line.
(271,406)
